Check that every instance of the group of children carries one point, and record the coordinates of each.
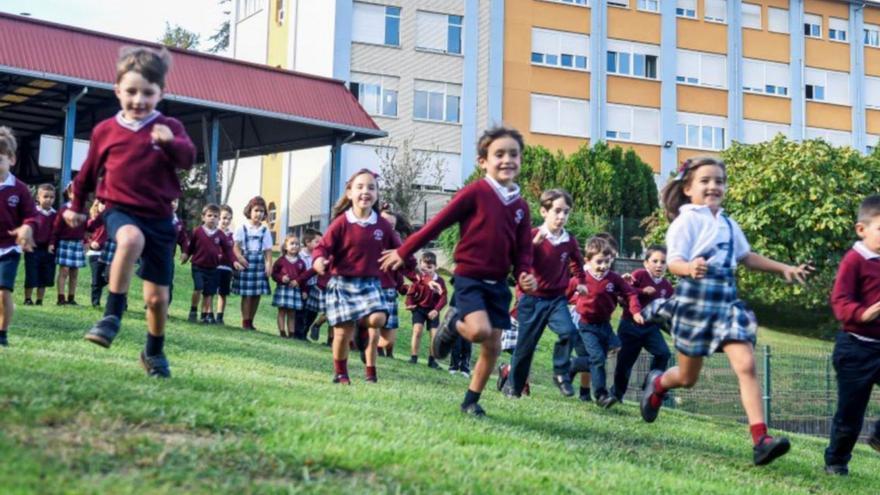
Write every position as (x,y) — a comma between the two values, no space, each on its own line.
(355,271)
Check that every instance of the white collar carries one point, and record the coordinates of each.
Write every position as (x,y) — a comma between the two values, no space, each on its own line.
(304,255)
(555,240)
(9,182)
(46,212)
(363,222)
(507,195)
(136,125)
(594,275)
(656,280)
(866,253)
(291,259)
(208,231)
(703,209)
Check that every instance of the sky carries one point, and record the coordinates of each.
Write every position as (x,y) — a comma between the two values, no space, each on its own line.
(140,19)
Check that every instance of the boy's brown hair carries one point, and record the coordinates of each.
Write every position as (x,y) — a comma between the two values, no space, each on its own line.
(46,187)
(655,248)
(8,144)
(152,64)
(869,208)
(429,258)
(309,235)
(211,208)
(227,209)
(596,246)
(490,135)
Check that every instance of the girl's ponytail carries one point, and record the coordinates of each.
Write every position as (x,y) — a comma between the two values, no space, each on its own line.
(672,195)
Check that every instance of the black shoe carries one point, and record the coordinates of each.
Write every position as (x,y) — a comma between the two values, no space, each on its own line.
(104,331)
(204,320)
(606,401)
(193,317)
(503,373)
(473,410)
(342,379)
(209,320)
(649,412)
(156,366)
(314,332)
(837,469)
(219,320)
(585,398)
(28,302)
(432,363)
(379,352)
(3,340)
(39,302)
(72,302)
(413,360)
(446,335)
(769,448)
(564,386)
(874,441)
(508,392)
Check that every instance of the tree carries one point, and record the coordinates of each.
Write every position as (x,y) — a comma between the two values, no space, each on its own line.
(179,37)
(407,175)
(220,39)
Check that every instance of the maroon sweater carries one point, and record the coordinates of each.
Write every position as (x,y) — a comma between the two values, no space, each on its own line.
(182,239)
(18,209)
(494,236)
(422,296)
(226,261)
(642,279)
(553,266)
(856,288)
(43,226)
(134,172)
(292,269)
(597,305)
(63,232)
(206,250)
(97,231)
(356,249)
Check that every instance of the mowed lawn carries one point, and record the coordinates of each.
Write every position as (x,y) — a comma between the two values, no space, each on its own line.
(251,413)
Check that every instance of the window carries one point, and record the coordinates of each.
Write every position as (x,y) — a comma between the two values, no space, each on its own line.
(247,8)
(777,20)
(751,16)
(828,86)
(377,24)
(619,3)
(573,2)
(872,35)
(377,94)
(837,29)
(560,49)
(635,124)
(766,77)
(871,143)
(872,92)
(562,116)
(649,5)
(705,132)
(836,138)
(632,59)
(812,26)
(755,131)
(716,11)
(437,101)
(438,32)
(686,8)
(704,69)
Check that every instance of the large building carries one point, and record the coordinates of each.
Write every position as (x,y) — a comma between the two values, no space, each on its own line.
(669,78)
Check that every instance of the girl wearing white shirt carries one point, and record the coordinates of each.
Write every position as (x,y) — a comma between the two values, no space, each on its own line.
(253,242)
(707,316)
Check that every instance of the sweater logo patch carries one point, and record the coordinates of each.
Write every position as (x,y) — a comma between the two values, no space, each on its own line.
(662,292)
(378,235)
(13,200)
(519,215)
(609,287)
(563,258)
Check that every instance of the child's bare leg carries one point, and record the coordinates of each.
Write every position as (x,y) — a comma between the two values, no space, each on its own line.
(28,292)
(684,375)
(41,293)
(282,326)
(255,303)
(194,300)
(476,328)
(7,308)
(341,337)
(374,322)
(416,339)
(72,277)
(221,303)
(156,298)
(129,246)
(433,333)
(207,304)
(61,281)
(742,359)
(291,321)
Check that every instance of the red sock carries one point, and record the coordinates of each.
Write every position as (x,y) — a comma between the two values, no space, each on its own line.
(656,399)
(341,366)
(758,430)
(371,372)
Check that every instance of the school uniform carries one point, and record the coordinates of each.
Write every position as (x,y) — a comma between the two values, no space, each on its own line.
(206,249)
(856,355)
(39,264)
(254,241)
(490,216)
(423,299)
(225,269)
(68,241)
(392,284)
(286,296)
(18,209)
(97,234)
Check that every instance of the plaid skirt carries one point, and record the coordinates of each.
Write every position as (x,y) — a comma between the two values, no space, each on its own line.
(109,251)
(70,253)
(288,298)
(252,281)
(509,336)
(706,314)
(352,298)
(390,298)
(316,302)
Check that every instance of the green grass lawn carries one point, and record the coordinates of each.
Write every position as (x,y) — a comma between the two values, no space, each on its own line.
(251,413)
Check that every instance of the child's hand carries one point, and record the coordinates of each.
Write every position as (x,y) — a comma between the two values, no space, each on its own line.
(527,282)
(51,249)
(435,286)
(73,218)
(433,314)
(390,260)
(24,237)
(268,270)
(285,279)
(797,274)
(320,265)
(184,258)
(698,267)
(649,291)
(238,266)
(581,289)
(161,134)
(94,246)
(539,237)
(871,313)
(639,319)
(243,262)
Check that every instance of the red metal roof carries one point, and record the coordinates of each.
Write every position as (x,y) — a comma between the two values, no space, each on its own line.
(64,53)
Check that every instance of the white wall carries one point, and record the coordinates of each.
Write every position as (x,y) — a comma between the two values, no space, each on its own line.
(314,27)
(247,182)
(252,38)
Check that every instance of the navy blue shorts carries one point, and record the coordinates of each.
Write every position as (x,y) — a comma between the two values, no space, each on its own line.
(224,282)
(8,270)
(420,316)
(39,268)
(493,297)
(159,238)
(205,280)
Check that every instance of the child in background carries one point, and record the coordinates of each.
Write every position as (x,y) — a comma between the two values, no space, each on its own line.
(67,244)
(316,299)
(97,237)
(393,284)
(182,241)
(288,297)
(39,265)
(581,362)
(206,249)
(16,228)
(425,304)
(253,243)
(225,270)
(460,357)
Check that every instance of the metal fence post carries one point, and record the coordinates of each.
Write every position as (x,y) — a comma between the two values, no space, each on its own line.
(829,410)
(767,392)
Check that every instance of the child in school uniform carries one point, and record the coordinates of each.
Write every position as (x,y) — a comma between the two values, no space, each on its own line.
(253,244)
(353,243)
(39,264)
(97,237)
(17,223)
(314,301)
(580,364)
(595,306)
(425,304)
(855,300)
(67,244)
(491,215)
(704,247)
(182,241)
(393,283)
(206,249)
(138,214)
(460,356)
(288,298)
(225,269)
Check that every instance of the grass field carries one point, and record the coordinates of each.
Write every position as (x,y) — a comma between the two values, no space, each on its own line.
(251,413)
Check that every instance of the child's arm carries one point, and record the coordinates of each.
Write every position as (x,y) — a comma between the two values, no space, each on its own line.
(86,180)
(755,261)
(278,272)
(845,301)
(441,301)
(24,234)
(576,266)
(229,253)
(523,261)
(236,248)
(173,140)
(327,247)
(632,297)
(190,249)
(267,262)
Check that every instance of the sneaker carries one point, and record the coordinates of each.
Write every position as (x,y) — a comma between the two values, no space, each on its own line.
(210,320)
(156,366)
(413,360)
(473,410)
(769,448)
(342,379)
(104,331)
(585,397)
(837,470)
(452,371)
(465,373)
(61,302)
(193,317)
(4,342)
(446,335)
(204,320)
(509,393)
(564,386)
(219,320)
(372,379)
(433,364)
(314,332)
(503,373)
(649,413)
(606,401)
(39,302)
(72,302)
(28,302)
(874,441)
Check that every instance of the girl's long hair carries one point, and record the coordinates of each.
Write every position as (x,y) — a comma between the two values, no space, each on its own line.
(401,224)
(673,196)
(344,203)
